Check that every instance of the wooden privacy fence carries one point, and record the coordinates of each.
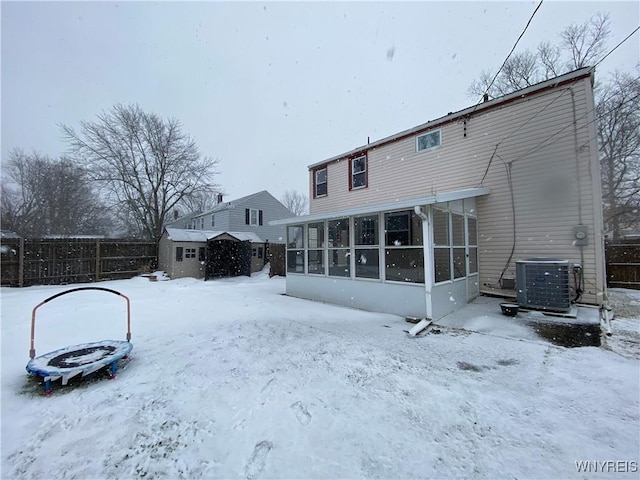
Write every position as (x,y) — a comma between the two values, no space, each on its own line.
(27,262)
(623,264)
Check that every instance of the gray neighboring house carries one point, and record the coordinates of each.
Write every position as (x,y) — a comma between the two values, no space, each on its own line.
(247,214)
(184,221)
(231,239)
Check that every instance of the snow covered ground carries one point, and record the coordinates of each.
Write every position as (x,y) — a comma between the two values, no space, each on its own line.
(232,379)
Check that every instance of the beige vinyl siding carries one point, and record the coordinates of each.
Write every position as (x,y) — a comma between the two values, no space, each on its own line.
(188,267)
(544,173)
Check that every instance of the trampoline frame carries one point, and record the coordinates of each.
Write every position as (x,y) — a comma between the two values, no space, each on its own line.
(40,365)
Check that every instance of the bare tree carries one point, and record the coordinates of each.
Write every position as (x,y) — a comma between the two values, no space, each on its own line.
(618,111)
(580,45)
(586,42)
(41,196)
(145,164)
(200,202)
(295,201)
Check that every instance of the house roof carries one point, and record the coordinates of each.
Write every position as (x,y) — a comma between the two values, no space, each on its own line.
(184,218)
(496,102)
(232,204)
(381,207)
(184,235)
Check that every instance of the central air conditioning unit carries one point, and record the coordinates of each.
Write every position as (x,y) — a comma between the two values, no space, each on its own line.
(543,284)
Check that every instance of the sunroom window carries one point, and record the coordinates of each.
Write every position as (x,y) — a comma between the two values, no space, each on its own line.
(295,249)
(315,253)
(367,258)
(339,252)
(455,244)
(404,255)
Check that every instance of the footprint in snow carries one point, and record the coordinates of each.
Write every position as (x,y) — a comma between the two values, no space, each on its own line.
(303,416)
(256,462)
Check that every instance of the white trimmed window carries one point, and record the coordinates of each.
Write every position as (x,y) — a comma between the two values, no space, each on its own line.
(428,140)
(367,258)
(455,244)
(316,244)
(404,252)
(295,249)
(339,264)
(320,183)
(252,216)
(358,167)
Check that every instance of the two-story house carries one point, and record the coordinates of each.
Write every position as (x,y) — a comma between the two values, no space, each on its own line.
(421,222)
(233,238)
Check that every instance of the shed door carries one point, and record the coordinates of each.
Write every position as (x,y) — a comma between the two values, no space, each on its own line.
(223,259)
(245,258)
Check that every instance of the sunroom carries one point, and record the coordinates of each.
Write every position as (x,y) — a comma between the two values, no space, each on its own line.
(415,258)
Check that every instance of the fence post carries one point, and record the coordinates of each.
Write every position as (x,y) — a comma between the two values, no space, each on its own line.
(97,260)
(21,263)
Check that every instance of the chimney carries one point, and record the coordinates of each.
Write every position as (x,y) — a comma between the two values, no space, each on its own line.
(218,198)
(176,214)
(485,97)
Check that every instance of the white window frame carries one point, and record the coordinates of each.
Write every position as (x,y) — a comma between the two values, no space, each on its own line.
(316,183)
(363,172)
(252,212)
(438,131)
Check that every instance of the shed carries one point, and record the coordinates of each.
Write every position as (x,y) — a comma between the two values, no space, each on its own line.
(210,254)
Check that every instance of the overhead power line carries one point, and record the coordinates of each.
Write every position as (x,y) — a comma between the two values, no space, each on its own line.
(511,52)
(614,48)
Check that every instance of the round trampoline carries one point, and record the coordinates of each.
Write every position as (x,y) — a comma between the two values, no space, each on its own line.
(82,359)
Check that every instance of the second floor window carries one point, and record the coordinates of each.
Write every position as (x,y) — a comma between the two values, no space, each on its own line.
(320,183)
(428,141)
(358,174)
(252,216)
(213,220)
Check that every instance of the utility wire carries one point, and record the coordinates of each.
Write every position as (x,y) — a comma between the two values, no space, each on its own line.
(550,137)
(564,91)
(614,48)
(508,56)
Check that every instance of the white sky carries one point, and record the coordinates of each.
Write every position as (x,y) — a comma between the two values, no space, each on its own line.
(271,87)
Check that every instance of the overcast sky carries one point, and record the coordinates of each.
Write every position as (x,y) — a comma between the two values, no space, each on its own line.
(270,87)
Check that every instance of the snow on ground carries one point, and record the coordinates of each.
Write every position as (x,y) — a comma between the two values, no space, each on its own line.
(231,379)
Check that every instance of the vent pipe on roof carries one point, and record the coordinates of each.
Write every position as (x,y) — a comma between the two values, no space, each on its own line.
(485,97)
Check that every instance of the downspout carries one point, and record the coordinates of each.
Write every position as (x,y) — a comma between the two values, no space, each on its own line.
(606,311)
(428,259)
(577,155)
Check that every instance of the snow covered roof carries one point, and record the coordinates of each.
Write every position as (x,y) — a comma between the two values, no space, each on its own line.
(185,235)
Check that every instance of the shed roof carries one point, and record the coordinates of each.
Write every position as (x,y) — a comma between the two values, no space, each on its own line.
(185,235)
